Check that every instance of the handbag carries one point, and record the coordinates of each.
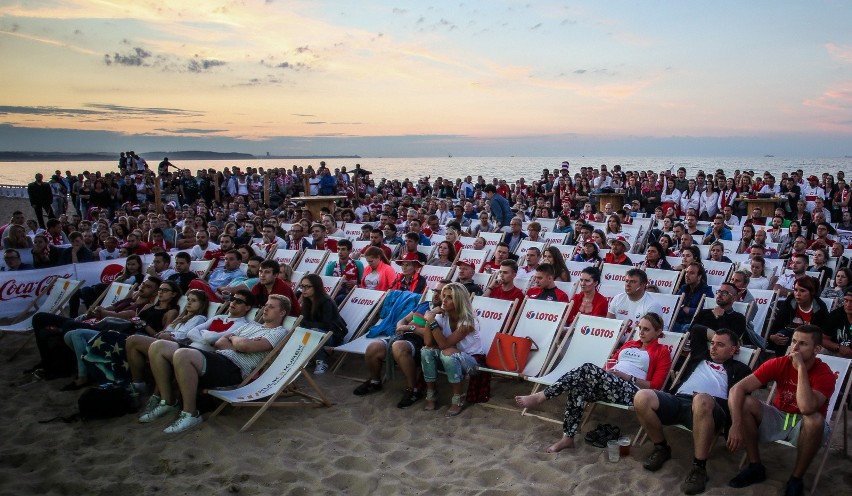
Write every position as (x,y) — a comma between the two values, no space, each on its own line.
(510,353)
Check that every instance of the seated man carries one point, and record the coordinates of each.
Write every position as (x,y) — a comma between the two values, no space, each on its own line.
(350,270)
(270,284)
(698,401)
(235,357)
(618,252)
(544,285)
(635,301)
(220,277)
(320,239)
(723,316)
(533,258)
(205,335)
(409,249)
(159,268)
(182,275)
(797,413)
(503,287)
(466,271)
(692,290)
(405,348)
(202,245)
(501,254)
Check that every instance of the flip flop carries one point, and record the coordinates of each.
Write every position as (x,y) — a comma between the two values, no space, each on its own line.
(610,433)
(596,433)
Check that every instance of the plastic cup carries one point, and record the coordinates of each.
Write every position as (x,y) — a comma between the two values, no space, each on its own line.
(624,446)
(612,450)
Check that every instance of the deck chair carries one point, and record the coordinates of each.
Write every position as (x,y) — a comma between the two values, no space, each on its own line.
(311,261)
(591,340)
(358,343)
(666,281)
(614,273)
(765,302)
(433,274)
(670,305)
(201,268)
(331,285)
(358,310)
(115,292)
(575,268)
(526,244)
(56,294)
(540,321)
(494,316)
(475,257)
(290,360)
(717,272)
(282,255)
(552,238)
(491,239)
(481,279)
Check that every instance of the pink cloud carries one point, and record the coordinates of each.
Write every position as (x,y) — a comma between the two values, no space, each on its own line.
(842,53)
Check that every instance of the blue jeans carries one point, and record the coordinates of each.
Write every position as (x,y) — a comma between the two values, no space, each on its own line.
(456,365)
(78,340)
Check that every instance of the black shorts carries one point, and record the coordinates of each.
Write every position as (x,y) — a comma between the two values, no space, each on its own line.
(677,409)
(414,340)
(219,371)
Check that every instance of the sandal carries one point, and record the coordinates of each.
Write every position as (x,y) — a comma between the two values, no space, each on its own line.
(431,394)
(597,432)
(609,433)
(456,407)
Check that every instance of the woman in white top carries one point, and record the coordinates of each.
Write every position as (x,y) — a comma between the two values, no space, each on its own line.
(137,345)
(670,197)
(454,342)
(691,198)
(709,203)
(758,274)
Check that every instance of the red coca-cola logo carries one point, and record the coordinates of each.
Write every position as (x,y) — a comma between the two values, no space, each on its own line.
(12,289)
(110,272)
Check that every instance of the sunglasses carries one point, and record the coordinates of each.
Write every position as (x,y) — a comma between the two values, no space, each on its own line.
(240,301)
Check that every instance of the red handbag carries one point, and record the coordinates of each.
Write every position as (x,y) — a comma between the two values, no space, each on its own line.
(510,353)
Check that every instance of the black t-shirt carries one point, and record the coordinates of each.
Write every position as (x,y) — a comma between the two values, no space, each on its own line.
(838,328)
(183,280)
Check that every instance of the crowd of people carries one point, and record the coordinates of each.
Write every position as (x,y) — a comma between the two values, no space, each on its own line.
(221,217)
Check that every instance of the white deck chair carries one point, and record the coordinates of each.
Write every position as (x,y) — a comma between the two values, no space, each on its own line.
(115,292)
(636,258)
(491,239)
(526,244)
(575,268)
(434,274)
(312,261)
(427,250)
(568,287)
(765,301)
(201,268)
(670,305)
(567,251)
(552,238)
(283,255)
(494,316)
(666,281)
(541,321)
(331,285)
(475,257)
(56,295)
(182,303)
(717,272)
(614,273)
(290,360)
(480,279)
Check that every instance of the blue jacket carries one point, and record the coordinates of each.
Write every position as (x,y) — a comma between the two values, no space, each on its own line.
(501,210)
(397,305)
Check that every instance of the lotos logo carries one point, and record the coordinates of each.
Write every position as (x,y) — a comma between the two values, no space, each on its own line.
(489,314)
(594,331)
(12,289)
(762,301)
(550,317)
(665,283)
(716,272)
(362,301)
(110,272)
(433,278)
(312,260)
(667,310)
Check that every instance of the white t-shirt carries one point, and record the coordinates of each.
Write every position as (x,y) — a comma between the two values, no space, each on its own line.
(635,362)
(471,344)
(197,253)
(626,309)
(708,377)
(109,255)
(371,280)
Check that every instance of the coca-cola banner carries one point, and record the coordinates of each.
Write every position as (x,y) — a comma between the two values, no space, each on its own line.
(99,272)
(17,289)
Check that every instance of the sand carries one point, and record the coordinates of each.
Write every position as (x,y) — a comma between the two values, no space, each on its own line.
(360,445)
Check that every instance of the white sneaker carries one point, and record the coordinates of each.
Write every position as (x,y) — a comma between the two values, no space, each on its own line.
(153,401)
(161,410)
(184,422)
(321,367)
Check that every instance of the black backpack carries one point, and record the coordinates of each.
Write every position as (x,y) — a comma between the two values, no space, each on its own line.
(105,401)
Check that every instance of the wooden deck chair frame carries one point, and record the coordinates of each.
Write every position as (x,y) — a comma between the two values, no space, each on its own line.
(335,287)
(281,382)
(842,367)
(358,297)
(195,266)
(569,354)
(108,295)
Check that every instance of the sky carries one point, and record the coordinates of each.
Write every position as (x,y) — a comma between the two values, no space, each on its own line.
(427,78)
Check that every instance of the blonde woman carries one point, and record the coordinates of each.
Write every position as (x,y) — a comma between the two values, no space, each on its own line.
(454,342)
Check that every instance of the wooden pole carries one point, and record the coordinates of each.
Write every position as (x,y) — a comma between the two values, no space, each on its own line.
(307,184)
(158,201)
(266,189)
(216,188)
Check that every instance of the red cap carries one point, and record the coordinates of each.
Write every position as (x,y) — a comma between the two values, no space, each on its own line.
(409,257)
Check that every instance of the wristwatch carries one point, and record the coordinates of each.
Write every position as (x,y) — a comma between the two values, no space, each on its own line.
(633,379)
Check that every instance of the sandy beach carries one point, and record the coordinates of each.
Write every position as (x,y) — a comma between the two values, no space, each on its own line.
(360,445)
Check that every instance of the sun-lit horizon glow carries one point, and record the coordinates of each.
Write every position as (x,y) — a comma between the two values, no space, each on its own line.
(200,74)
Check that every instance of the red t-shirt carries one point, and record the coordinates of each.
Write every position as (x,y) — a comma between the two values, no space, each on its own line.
(786,376)
(513,294)
(600,306)
(329,244)
(490,265)
(552,294)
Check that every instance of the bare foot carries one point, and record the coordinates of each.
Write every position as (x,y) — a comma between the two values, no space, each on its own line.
(564,443)
(531,401)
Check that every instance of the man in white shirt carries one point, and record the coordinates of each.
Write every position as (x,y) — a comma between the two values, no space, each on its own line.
(202,246)
(160,266)
(812,191)
(110,250)
(728,213)
(770,188)
(635,302)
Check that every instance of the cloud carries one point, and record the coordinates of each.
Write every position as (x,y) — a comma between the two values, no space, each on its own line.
(143,110)
(842,53)
(51,111)
(191,130)
(304,115)
(94,110)
(838,98)
(198,65)
(399,11)
(137,58)
(580,71)
(314,122)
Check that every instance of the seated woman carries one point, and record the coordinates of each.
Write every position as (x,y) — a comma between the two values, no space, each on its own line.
(642,364)
(589,253)
(444,255)
(588,301)
(654,258)
(821,265)
(841,282)
(717,253)
(137,345)
(453,342)
(107,351)
(803,308)
(758,273)
(133,273)
(687,256)
(553,256)
(378,274)
(320,312)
